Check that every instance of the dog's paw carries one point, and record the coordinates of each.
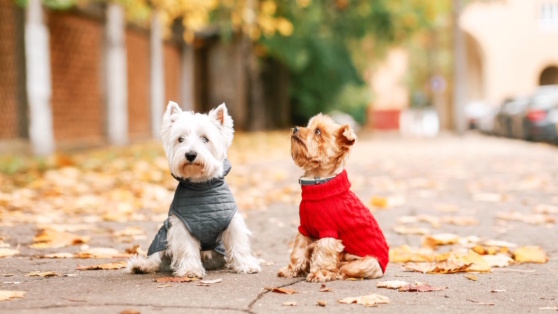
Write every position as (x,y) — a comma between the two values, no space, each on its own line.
(141,265)
(322,276)
(250,266)
(189,272)
(287,272)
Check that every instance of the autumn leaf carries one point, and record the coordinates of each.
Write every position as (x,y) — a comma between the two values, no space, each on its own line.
(58,255)
(379,202)
(175,279)
(281,290)
(411,230)
(393,284)
(471,277)
(404,254)
(130,311)
(420,287)
(323,288)
(108,266)
(208,283)
(100,252)
(6,252)
(460,220)
(367,300)
(8,295)
(48,238)
(42,274)
(289,303)
(321,303)
(498,260)
(530,254)
(432,241)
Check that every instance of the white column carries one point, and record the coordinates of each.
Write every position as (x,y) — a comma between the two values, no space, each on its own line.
(157,76)
(187,78)
(117,85)
(38,80)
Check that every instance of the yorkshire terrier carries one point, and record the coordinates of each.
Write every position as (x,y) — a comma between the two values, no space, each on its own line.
(338,237)
(204,229)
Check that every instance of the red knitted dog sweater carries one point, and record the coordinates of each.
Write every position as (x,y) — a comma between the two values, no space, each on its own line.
(330,210)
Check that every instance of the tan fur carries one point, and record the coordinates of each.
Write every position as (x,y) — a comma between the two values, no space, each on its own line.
(323,155)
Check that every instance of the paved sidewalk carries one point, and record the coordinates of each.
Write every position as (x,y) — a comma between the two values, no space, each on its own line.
(474,175)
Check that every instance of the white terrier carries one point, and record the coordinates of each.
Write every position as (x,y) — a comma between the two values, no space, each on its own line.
(203,215)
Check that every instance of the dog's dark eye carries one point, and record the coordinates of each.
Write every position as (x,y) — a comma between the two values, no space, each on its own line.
(180,139)
(318,132)
(204,139)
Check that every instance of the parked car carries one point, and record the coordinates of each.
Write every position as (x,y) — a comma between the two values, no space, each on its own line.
(511,108)
(540,118)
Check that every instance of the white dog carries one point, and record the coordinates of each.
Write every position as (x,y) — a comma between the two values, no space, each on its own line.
(203,215)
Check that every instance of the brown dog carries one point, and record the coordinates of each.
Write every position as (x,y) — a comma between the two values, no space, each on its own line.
(338,236)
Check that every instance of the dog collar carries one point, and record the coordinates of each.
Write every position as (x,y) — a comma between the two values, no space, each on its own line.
(315,181)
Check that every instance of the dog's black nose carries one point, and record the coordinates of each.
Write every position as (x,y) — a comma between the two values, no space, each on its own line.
(191,156)
(295,130)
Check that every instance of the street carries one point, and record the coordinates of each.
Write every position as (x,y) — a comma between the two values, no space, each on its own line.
(487,187)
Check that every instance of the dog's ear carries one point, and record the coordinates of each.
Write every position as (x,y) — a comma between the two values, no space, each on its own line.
(346,137)
(171,114)
(224,121)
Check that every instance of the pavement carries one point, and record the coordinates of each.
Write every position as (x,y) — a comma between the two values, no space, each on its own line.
(472,175)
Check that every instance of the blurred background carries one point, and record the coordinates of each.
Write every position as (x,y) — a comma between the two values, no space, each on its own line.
(80,73)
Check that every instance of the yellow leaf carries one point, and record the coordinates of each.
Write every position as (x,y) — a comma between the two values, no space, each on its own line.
(410,230)
(5,252)
(404,254)
(471,277)
(367,300)
(108,266)
(100,252)
(432,241)
(530,254)
(42,274)
(48,238)
(391,284)
(379,202)
(498,260)
(8,295)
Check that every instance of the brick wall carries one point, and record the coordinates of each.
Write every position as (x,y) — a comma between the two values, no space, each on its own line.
(137,54)
(8,71)
(76,44)
(171,56)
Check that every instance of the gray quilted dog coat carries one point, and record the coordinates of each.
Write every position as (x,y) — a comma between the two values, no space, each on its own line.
(206,209)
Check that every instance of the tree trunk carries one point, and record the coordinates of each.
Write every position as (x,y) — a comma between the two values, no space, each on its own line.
(38,80)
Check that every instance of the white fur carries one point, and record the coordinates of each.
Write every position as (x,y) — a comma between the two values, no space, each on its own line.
(236,239)
(183,248)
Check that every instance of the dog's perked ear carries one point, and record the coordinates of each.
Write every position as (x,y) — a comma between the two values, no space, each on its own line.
(171,114)
(346,137)
(224,121)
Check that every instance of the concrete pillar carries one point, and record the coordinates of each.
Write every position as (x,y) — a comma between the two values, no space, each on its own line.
(459,71)
(157,83)
(38,80)
(117,87)
(187,78)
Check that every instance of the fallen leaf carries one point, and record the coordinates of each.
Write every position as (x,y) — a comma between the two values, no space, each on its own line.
(453,264)
(289,303)
(471,277)
(534,219)
(478,264)
(8,295)
(175,279)
(323,288)
(282,290)
(498,260)
(500,243)
(209,282)
(42,274)
(410,230)
(58,255)
(546,209)
(392,284)
(49,238)
(130,311)
(108,266)
(404,254)
(321,303)
(100,252)
(420,287)
(480,303)
(530,254)
(497,290)
(367,300)
(6,252)
(379,202)
(460,220)
(432,241)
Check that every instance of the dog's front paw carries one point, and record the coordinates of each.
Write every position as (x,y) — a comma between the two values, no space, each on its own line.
(249,265)
(190,272)
(322,275)
(287,272)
